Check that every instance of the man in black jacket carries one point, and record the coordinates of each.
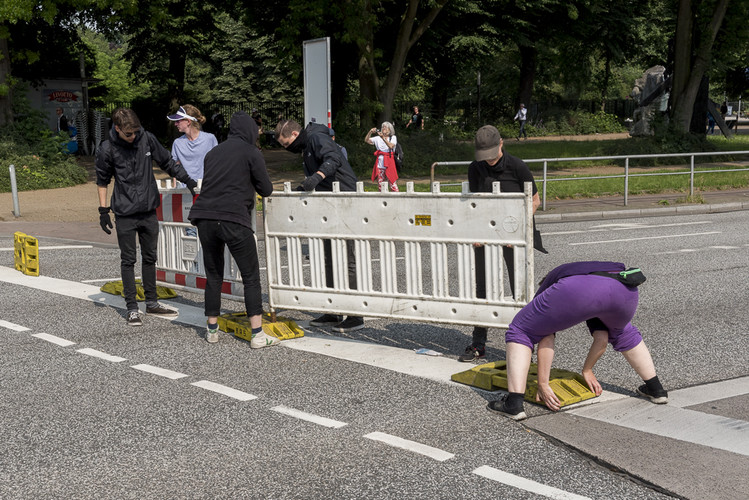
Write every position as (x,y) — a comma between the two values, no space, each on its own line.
(128,156)
(233,171)
(324,163)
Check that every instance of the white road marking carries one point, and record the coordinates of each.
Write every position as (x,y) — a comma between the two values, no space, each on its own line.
(626,240)
(708,392)
(106,280)
(56,247)
(405,444)
(309,417)
(621,227)
(724,247)
(13,326)
(525,484)
(101,355)
(226,391)
(55,340)
(161,372)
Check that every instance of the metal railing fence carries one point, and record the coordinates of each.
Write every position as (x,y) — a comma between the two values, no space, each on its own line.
(626,175)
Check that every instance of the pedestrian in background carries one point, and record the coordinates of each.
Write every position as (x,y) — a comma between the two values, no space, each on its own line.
(417,120)
(521,116)
(62,120)
(234,171)
(128,156)
(324,164)
(384,170)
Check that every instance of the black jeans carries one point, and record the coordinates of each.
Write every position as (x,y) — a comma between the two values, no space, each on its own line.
(351,261)
(480,332)
(215,236)
(146,227)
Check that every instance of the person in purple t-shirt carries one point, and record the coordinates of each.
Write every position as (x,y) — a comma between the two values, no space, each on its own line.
(569,295)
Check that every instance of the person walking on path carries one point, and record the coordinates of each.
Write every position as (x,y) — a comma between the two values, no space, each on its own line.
(234,171)
(384,170)
(191,147)
(417,120)
(324,164)
(605,296)
(128,156)
(492,165)
(521,116)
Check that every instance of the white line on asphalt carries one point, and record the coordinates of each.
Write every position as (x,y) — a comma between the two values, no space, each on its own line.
(106,280)
(405,444)
(222,389)
(162,372)
(13,326)
(724,247)
(525,484)
(101,355)
(643,238)
(309,417)
(622,227)
(57,247)
(55,340)
(709,392)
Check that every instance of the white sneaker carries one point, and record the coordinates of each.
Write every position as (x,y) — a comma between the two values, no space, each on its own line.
(211,335)
(263,340)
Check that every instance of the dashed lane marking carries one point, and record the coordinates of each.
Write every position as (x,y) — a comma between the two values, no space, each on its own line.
(226,391)
(625,240)
(161,372)
(101,355)
(689,250)
(13,326)
(55,340)
(622,227)
(405,444)
(525,484)
(309,417)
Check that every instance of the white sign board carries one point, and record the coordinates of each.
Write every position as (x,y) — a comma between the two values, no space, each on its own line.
(317,81)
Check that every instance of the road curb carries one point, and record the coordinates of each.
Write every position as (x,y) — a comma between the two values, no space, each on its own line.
(643,212)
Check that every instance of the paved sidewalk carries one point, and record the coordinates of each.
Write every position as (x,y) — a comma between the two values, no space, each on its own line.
(611,207)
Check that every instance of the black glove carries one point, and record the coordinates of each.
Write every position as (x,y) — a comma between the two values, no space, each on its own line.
(104,219)
(311,182)
(191,185)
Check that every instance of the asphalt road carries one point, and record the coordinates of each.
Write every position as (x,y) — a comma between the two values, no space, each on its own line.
(90,418)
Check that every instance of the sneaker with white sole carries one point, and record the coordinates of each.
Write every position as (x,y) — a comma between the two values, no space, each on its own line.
(350,324)
(501,407)
(472,355)
(211,335)
(326,320)
(133,318)
(263,340)
(659,398)
(164,312)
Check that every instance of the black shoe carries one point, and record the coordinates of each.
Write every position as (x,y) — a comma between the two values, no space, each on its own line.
(326,320)
(164,312)
(350,324)
(133,318)
(659,398)
(472,354)
(501,408)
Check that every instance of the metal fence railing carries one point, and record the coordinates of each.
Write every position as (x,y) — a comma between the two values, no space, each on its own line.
(626,175)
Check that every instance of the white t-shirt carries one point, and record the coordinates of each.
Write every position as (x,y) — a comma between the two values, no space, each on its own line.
(379,143)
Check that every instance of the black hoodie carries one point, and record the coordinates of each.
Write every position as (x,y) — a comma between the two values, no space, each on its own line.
(322,153)
(233,171)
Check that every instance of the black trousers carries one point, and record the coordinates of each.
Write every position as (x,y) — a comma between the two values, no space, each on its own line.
(144,227)
(215,236)
(351,261)
(480,332)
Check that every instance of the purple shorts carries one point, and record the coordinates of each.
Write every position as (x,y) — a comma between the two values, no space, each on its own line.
(575,299)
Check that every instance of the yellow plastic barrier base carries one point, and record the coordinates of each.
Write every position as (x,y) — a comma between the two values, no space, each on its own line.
(239,324)
(26,253)
(569,387)
(116,288)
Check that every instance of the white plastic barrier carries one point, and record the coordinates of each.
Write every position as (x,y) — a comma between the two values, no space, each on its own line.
(414,253)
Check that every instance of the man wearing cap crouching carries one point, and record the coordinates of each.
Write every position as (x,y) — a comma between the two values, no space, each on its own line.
(493,164)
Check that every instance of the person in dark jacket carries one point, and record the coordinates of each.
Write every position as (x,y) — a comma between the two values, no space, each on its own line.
(493,164)
(324,163)
(128,156)
(570,294)
(233,171)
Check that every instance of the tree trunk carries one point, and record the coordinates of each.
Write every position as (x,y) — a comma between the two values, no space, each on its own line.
(528,59)
(6,97)
(688,72)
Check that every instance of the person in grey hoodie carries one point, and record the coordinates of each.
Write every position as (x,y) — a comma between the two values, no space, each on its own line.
(233,171)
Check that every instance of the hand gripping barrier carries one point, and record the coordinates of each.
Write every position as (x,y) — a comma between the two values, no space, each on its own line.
(414,253)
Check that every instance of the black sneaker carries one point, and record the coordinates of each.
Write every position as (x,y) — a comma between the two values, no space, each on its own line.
(133,318)
(472,354)
(350,324)
(326,320)
(164,312)
(501,408)
(659,398)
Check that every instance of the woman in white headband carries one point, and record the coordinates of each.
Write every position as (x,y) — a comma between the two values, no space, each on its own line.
(190,148)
